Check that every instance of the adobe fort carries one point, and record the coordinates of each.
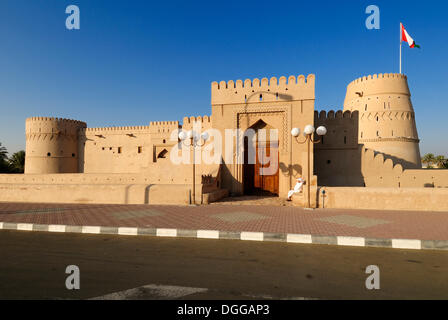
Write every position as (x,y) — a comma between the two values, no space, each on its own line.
(369,158)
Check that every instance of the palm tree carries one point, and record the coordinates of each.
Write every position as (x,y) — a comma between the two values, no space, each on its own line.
(3,153)
(17,162)
(4,167)
(428,159)
(440,161)
(445,165)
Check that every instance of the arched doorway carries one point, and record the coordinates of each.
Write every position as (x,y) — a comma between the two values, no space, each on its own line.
(261,160)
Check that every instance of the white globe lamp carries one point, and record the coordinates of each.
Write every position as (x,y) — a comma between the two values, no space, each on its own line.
(295,132)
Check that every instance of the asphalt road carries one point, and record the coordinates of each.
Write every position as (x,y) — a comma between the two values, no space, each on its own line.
(33,264)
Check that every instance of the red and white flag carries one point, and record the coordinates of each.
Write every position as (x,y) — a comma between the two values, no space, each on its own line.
(407,38)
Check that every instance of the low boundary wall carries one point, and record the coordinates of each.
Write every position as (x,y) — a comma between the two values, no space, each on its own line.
(177,194)
(415,199)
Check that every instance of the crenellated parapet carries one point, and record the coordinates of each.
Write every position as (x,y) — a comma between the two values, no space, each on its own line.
(163,127)
(374,87)
(43,128)
(60,120)
(378,164)
(342,127)
(332,115)
(264,90)
(114,130)
(204,121)
(191,120)
(379,76)
(164,123)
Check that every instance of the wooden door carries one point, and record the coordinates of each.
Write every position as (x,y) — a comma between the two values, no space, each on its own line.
(266,167)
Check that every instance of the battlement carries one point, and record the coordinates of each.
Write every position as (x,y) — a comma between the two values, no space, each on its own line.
(378,159)
(52,119)
(163,127)
(377,85)
(114,129)
(164,123)
(339,114)
(37,127)
(264,90)
(191,120)
(380,76)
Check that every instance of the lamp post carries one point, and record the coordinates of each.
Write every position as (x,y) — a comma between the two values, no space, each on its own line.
(308,133)
(192,139)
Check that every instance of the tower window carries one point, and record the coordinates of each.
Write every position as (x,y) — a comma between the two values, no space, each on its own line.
(366,107)
(345,140)
(48,154)
(73,155)
(119,149)
(377,133)
(140,149)
(261,97)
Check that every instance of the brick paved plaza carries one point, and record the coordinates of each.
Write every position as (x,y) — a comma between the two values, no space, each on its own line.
(233,215)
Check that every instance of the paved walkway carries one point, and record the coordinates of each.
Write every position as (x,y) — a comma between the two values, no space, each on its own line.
(237,218)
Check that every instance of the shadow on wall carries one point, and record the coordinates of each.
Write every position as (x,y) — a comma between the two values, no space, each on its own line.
(395,160)
(337,159)
(339,168)
(127,194)
(340,160)
(229,182)
(293,170)
(147,189)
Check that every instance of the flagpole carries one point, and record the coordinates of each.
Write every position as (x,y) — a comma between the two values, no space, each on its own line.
(401,44)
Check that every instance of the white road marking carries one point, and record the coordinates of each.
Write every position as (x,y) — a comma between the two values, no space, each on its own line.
(89,229)
(56,228)
(127,231)
(208,234)
(167,232)
(406,244)
(252,236)
(299,238)
(152,292)
(162,292)
(351,241)
(25,226)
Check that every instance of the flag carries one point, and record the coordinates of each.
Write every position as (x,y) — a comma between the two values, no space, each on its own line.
(406,37)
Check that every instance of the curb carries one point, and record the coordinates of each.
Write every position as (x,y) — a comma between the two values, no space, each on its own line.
(235,235)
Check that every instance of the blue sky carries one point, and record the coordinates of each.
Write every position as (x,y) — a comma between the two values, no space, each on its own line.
(138,61)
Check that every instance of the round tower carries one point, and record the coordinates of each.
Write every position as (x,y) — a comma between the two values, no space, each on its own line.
(386,117)
(52,145)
